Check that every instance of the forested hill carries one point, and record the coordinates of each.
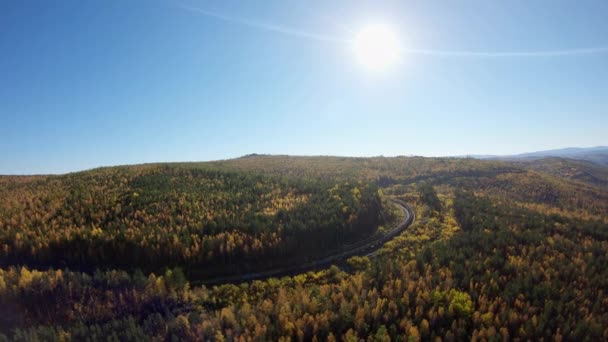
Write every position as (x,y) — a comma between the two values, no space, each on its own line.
(499,251)
(205,219)
(579,170)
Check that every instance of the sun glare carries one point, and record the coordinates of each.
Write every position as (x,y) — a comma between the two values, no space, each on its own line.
(376,47)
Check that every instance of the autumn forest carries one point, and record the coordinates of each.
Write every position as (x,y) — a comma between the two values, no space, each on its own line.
(497,251)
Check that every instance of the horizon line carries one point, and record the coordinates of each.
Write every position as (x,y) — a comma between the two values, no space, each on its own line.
(457,156)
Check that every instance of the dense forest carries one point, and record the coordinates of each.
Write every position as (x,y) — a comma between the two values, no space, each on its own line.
(199,219)
(498,251)
(578,170)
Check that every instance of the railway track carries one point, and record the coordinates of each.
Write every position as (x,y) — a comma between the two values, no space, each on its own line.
(365,247)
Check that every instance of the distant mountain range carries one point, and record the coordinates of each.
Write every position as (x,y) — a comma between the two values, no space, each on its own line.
(597,155)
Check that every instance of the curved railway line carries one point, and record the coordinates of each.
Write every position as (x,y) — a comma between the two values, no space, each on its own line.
(365,247)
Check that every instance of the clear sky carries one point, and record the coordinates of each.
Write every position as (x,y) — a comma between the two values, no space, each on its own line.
(94,83)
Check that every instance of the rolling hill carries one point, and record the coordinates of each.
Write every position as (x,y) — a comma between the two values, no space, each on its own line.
(195,216)
(578,170)
(597,155)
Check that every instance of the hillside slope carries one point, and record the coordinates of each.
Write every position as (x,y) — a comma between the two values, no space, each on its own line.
(579,170)
(193,216)
(597,155)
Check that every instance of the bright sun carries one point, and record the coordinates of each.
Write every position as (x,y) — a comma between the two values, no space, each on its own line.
(376,47)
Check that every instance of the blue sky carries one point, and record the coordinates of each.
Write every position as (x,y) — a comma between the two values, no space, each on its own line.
(94,83)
